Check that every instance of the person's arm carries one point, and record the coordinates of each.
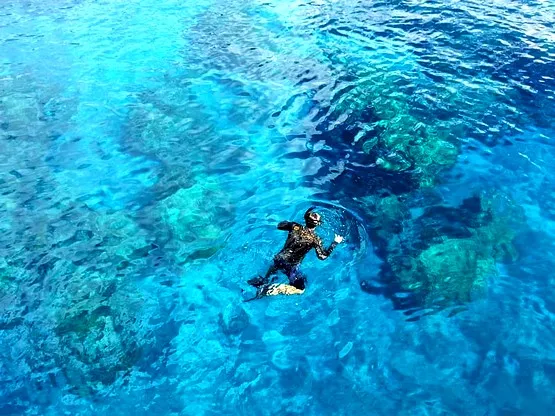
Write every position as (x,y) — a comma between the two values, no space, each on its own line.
(323,253)
(285,225)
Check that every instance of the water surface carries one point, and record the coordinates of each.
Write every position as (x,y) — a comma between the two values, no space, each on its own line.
(149,148)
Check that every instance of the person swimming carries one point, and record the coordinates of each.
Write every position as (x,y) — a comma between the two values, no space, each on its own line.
(300,240)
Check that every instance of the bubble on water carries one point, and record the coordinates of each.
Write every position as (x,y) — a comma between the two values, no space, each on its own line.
(345,350)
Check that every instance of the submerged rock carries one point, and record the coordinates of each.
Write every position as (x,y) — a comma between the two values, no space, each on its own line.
(99,338)
(197,216)
(121,235)
(234,320)
(395,162)
(453,270)
(445,255)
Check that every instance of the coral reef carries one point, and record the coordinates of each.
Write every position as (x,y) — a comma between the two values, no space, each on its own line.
(444,256)
(197,219)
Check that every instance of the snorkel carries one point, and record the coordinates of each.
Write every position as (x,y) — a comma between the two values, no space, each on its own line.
(312,219)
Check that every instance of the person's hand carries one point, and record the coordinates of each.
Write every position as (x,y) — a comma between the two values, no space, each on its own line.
(338,239)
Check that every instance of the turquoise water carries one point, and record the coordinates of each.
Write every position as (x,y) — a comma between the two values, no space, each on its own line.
(149,148)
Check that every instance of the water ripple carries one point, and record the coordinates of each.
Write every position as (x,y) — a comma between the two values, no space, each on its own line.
(149,148)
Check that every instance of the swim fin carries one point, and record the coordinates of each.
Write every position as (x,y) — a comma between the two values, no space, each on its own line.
(257,281)
(260,293)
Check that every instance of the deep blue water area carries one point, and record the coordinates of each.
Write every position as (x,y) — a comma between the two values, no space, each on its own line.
(148,148)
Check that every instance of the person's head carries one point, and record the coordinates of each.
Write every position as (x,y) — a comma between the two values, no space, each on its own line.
(312,219)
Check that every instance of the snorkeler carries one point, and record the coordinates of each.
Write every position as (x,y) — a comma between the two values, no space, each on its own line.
(299,242)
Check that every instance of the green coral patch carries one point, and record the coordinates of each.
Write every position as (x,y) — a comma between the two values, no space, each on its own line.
(197,216)
(444,264)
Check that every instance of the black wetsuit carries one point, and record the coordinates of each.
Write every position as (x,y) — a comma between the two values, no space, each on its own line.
(299,242)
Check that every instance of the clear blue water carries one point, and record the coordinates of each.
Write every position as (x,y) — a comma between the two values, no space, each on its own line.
(149,147)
